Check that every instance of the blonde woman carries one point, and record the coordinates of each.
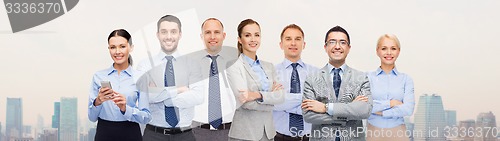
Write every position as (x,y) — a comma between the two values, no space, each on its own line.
(393,96)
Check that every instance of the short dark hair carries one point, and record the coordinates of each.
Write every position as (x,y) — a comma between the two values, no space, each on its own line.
(337,29)
(292,26)
(169,18)
(212,19)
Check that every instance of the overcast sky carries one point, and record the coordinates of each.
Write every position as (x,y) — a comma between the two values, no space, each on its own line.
(449,47)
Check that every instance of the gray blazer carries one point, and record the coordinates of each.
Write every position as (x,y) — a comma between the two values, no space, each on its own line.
(252,118)
(347,114)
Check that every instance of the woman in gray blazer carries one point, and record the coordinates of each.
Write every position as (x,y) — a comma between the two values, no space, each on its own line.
(254,83)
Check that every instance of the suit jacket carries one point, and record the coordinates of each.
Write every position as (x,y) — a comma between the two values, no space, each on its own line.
(347,114)
(228,101)
(252,118)
(187,74)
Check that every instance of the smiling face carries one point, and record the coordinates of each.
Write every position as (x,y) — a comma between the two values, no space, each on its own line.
(388,51)
(337,47)
(169,35)
(213,36)
(119,49)
(250,38)
(292,43)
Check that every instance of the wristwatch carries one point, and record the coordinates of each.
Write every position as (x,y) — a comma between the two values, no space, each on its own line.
(326,108)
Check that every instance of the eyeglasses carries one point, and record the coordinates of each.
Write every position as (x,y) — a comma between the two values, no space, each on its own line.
(341,43)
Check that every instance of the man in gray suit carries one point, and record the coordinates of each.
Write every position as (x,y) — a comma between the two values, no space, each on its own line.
(338,97)
(214,116)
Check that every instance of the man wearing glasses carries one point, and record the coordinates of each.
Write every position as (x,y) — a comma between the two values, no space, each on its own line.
(338,97)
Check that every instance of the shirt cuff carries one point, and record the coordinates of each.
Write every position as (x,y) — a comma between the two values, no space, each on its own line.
(330,109)
(95,108)
(128,112)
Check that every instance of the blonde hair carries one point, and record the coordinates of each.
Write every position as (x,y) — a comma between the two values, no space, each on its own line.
(390,37)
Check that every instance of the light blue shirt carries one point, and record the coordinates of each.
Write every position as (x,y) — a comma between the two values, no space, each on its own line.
(387,87)
(292,100)
(160,96)
(257,68)
(341,73)
(137,109)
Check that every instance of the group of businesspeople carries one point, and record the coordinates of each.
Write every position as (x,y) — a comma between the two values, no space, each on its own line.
(222,93)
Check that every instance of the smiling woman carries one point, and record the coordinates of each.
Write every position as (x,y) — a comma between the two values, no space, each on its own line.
(393,93)
(120,110)
(254,83)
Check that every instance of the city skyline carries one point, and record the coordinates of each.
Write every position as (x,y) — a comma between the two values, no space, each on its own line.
(427,108)
(443,45)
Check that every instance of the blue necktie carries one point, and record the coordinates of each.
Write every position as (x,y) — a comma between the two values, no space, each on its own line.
(214,105)
(295,120)
(336,81)
(170,112)
(336,87)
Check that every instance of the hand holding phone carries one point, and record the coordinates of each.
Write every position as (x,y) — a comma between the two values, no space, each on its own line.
(107,84)
(105,93)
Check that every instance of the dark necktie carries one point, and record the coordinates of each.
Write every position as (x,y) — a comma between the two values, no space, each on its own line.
(336,87)
(336,81)
(214,104)
(295,121)
(170,112)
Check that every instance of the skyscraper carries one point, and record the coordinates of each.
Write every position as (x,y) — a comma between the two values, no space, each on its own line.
(49,135)
(409,127)
(466,126)
(68,126)
(55,117)
(1,135)
(39,126)
(486,121)
(91,133)
(429,119)
(451,118)
(14,120)
(27,131)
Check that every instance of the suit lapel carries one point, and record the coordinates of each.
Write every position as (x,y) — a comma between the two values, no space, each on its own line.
(159,70)
(329,92)
(268,72)
(205,68)
(345,79)
(249,71)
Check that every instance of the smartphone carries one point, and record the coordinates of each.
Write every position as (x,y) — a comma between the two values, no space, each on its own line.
(106,84)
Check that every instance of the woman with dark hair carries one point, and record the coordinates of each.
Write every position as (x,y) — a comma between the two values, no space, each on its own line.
(254,84)
(114,100)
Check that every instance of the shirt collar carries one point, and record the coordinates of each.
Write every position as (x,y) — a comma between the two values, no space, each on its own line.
(176,54)
(251,61)
(394,71)
(127,71)
(207,55)
(288,63)
(330,67)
